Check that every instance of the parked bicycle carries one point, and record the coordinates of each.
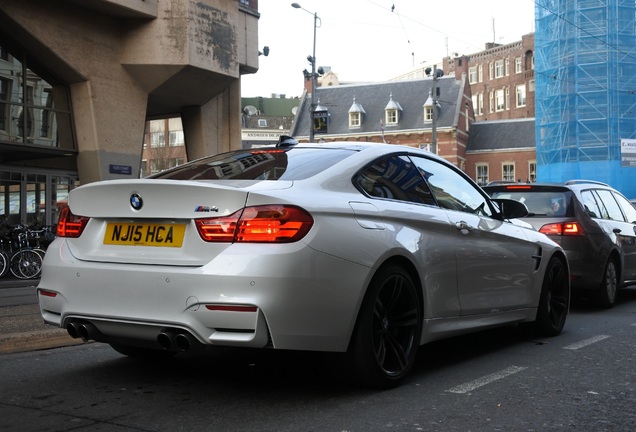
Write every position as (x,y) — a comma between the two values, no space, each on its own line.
(22,250)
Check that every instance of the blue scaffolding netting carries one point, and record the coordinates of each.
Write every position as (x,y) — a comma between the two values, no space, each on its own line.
(585,73)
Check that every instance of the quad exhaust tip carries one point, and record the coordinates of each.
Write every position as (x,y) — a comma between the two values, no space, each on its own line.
(84,330)
(170,340)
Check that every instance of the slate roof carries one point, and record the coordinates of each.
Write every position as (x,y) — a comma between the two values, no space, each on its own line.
(274,107)
(502,135)
(374,98)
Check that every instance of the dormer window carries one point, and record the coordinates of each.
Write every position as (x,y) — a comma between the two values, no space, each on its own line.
(354,119)
(428,108)
(392,112)
(355,114)
(428,113)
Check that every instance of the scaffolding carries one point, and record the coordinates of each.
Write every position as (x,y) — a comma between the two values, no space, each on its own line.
(585,72)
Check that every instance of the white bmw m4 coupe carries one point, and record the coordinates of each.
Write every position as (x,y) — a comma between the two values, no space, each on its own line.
(366,249)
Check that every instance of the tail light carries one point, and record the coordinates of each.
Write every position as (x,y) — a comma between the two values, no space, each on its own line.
(563,229)
(259,224)
(70,225)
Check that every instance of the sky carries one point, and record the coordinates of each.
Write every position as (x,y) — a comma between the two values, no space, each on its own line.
(375,40)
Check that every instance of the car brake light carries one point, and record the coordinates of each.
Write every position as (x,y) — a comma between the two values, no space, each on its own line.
(522,186)
(259,224)
(70,225)
(564,228)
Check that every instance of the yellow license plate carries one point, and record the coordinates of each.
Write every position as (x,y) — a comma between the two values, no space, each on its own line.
(144,234)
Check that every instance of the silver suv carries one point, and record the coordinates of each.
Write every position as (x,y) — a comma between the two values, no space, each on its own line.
(593,223)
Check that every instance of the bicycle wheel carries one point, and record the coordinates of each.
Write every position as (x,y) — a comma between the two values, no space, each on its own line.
(4,263)
(26,264)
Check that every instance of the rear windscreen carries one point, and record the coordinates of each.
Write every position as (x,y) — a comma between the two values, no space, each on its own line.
(259,164)
(541,204)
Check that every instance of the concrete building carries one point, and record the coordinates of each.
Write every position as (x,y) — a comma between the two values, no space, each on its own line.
(80,78)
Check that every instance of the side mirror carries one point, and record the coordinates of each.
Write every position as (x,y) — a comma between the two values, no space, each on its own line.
(511,209)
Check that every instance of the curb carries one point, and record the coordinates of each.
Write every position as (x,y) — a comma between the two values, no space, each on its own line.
(36,340)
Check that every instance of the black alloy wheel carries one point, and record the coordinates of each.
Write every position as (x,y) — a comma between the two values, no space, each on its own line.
(606,296)
(554,303)
(388,331)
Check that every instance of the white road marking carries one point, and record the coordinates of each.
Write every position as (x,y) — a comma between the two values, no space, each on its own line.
(479,382)
(585,342)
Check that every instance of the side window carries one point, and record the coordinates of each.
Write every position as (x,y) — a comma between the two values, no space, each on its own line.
(627,207)
(590,205)
(613,210)
(394,177)
(451,190)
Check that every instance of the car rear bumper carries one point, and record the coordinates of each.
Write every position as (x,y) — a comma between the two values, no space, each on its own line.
(295,298)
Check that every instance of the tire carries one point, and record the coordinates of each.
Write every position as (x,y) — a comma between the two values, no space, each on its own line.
(388,330)
(26,264)
(4,263)
(554,303)
(142,353)
(606,295)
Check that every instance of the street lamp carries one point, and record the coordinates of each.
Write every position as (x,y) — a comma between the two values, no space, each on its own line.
(312,60)
(433,101)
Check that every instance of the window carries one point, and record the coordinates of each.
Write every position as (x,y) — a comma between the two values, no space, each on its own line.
(531,85)
(480,73)
(391,116)
(354,119)
(451,189)
(34,106)
(176,138)
(627,207)
(4,107)
(482,174)
(500,100)
(472,74)
(611,206)
(262,122)
(521,95)
(480,103)
(499,68)
(157,139)
(507,67)
(491,101)
(507,102)
(508,171)
(518,65)
(259,164)
(428,114)
(532,171)
(491,70)
(175,128)
(395,177)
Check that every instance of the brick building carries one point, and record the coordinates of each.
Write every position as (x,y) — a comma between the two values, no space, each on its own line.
(396,112)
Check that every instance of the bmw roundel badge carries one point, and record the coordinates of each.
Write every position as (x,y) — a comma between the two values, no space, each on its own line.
(136,202)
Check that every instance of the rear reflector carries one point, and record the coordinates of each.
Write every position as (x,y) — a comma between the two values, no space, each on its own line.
(259,224)
(70,225)
(46,293)
(565,229)
(231,308)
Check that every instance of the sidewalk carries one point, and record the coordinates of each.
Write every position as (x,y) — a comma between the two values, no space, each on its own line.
(22,328)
